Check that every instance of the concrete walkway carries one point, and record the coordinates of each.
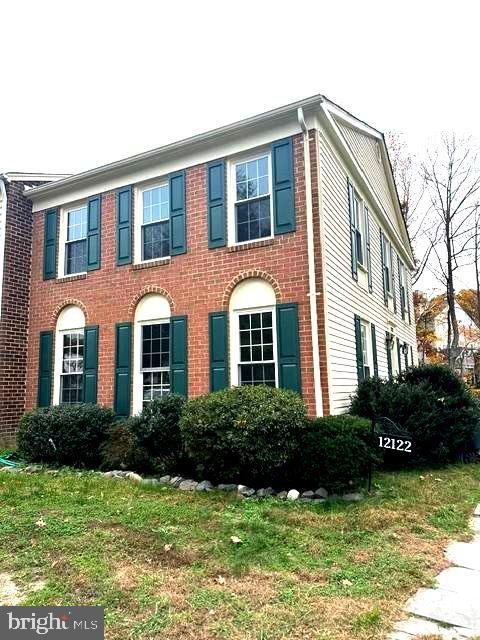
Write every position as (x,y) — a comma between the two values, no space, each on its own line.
(451,610)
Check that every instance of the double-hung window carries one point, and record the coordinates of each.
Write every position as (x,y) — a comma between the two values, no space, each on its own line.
(76,241)
(155,222)
(155,361)
(387,265)
(71,375)
(257,348)
(364,331)
(253,212)
(401,279)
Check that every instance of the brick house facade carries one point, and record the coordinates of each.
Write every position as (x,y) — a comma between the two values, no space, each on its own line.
(282,278)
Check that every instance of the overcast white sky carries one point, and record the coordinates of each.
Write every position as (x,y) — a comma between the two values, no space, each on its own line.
(85,83)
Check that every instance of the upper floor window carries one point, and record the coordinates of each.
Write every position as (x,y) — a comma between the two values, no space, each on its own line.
(253,212)
(76,241)
(401,280)
(155,232)
(387,264)
(359,218)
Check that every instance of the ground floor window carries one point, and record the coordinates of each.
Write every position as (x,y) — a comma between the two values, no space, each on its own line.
(71,375)
(155,361)
(364,336)
(256,345)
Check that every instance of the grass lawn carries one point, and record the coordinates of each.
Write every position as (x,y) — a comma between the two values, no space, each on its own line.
(163,565)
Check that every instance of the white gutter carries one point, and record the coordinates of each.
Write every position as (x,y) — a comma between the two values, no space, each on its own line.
(312,293)
(3,221)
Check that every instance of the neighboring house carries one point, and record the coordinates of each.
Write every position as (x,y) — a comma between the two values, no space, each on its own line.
(15,262)
(469,338)
(272,250)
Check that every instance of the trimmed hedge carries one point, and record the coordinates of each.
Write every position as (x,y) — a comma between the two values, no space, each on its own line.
(334,452)
(243,434)
(429,402)
(65,434)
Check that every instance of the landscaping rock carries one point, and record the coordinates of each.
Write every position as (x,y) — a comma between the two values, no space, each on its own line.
(293,494)
(305,499)
(247,492)
(352,497)
(321,492)
(204,485)
(32,468)
(264,493)
(307,494)
(150,481)
(165,479)
(227,487)
(187,485)
(131,475)
(10,469)
(477,510)
(282,495)
(176,480)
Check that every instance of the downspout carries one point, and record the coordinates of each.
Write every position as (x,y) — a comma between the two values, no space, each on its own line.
(3,222)
(312,293)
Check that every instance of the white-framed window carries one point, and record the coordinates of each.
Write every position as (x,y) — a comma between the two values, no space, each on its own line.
(69,353)
(403,297)
(71,376)
(256,343)
(251,194)
(152,224)
(73,240)
(359,215)
(365,337)
(253,334)
(155,360)
(387,264)
(151,344)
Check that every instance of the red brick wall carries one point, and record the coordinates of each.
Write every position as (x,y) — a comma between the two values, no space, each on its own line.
(198,282)
(14,316)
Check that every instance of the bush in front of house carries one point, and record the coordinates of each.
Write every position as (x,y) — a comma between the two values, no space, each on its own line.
(431,403)
(334,452)
(243,434)
(65,434)
(156,435)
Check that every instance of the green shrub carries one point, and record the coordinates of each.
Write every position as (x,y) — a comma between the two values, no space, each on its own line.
(243,434)
(119,451)
(156,435)
(429,402)
(334,453)
(65,434)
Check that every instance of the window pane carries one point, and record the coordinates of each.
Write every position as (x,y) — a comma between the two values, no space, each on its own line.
(268,352)
(255,320)
(253,220)
(156,240)
(263,166)
(156,205)
(263,186)
(256,349)
(252,189)
(241,190)
(76,257)
(267,319)
(244,321)
(77,224)
(155,346)
(241,172)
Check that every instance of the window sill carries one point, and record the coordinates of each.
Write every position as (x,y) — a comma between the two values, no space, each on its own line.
(251,245)
(152,263)
(75,276)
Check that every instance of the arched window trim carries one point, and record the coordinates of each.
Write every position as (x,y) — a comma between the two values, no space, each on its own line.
(69,357)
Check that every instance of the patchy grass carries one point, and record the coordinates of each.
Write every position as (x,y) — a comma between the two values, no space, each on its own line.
(162,564)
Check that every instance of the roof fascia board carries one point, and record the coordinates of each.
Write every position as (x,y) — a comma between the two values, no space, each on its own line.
(350,120)
(332,127)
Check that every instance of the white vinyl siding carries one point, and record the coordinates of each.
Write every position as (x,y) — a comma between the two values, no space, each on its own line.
(344,296)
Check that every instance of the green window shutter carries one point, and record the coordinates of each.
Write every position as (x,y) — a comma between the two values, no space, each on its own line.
(288,347)
(399,356)
(124,226)
(123,366)
(44,397)
(407,296)
(384,272)
(405,346)
(50,244)
(411,356)
(358,349)
(283,186)
(94,223)
(374,350)
(369,253)
(90,364)
(353,235)
(217,236)
(388,339)
(178,355)
(217,331)
(402,298)
(394,288)
(178,227)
